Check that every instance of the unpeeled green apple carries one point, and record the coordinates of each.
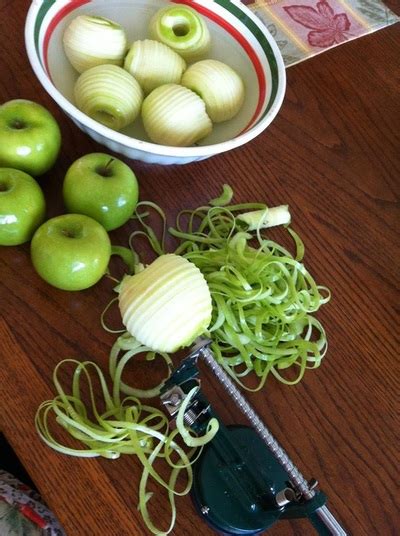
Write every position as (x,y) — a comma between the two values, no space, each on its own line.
(101,187)
(22,207)
(71,252)
(30,137)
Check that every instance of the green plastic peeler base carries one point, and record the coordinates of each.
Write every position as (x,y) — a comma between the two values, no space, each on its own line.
(234,491)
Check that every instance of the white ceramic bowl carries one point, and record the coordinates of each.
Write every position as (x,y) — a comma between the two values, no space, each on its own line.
(239,39)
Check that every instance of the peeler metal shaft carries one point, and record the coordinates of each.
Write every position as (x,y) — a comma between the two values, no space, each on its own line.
(297,479)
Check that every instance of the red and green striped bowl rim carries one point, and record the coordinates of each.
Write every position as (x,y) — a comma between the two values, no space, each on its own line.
(226,4)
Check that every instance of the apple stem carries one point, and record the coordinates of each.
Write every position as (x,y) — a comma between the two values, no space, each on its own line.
(109,162)
(105,171)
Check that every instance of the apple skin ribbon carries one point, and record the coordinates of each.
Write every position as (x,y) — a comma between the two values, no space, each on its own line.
(122,426)
(264,299)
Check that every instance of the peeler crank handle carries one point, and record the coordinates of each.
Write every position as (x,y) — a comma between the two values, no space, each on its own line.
(325,523)
(322,515)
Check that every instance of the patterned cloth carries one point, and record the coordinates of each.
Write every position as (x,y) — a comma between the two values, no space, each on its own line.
(22,512)
(304,28)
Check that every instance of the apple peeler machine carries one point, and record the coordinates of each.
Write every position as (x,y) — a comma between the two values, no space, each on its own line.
(244,481)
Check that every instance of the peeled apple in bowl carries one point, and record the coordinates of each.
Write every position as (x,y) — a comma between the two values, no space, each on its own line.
(90,41)
(218,85)
(174,115)
(166,305)
(109,95)
(183,29)
(154,64)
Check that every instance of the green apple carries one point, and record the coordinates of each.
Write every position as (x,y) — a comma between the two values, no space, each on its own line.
(101,187)
(22,207)
(30,137)
(71,252)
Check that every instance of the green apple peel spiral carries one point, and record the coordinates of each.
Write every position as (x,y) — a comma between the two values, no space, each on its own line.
(154,64)
(218,85)
(89,41)
(109,95)
(263,296)
(174,115)
(182,29)
(108,425)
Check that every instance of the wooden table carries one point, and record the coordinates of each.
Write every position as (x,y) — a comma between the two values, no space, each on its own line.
(332,154)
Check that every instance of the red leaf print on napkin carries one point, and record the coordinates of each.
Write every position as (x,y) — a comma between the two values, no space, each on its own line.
(327,28)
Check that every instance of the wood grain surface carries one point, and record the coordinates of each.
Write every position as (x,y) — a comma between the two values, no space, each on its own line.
(332,154)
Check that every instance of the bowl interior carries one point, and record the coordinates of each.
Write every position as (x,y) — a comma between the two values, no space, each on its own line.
(232,43)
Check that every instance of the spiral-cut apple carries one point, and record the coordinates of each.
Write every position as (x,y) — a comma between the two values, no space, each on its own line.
(218,85)
(89,41)
(167,305)
(174,115)
(154,64)
(109,95)
(182,29)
